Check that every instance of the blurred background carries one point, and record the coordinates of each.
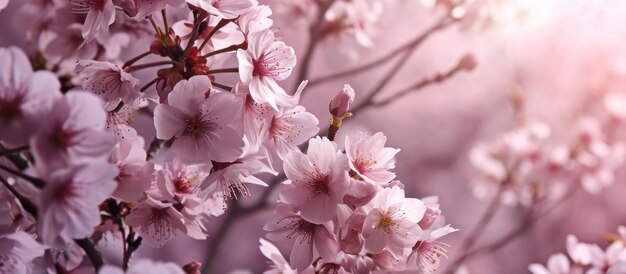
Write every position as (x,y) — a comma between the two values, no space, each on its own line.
(561,56)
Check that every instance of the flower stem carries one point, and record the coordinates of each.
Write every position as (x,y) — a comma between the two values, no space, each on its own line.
(148,65)
(226,49)
(224,70)
(136,58)
(224,87)
(167,28)
(39,183)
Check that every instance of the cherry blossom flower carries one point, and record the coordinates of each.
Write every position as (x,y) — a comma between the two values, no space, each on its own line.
(309,237)
(73,131)
(18,251)
(100,15)
(318,180)
(109,81)
(557,264)
(144,266)
(227,9)
(24,94)
(602,260)
(3,4)
(370,159)
(157,222)
(68,204)
(391,222)
(135,173)
(262,64)
(279,264)
(177,179)
(201,125)
(231,178)
(428,252)
(290,128)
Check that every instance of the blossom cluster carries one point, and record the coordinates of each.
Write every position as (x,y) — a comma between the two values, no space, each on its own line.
(77,172)
(588,258)
(343,211)
(527,164)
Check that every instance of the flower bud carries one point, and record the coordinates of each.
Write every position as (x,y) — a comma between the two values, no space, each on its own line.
(340,105)
(192,268)
(468,62)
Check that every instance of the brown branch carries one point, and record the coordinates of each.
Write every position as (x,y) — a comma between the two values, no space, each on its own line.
(317,31)
(441,24)
(92,252)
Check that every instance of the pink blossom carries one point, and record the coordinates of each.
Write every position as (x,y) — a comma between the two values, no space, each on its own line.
(135,173)
(602,260)
(290,128)
(231,178)
(255,20)
(108,81)
(279,264)
(309,237)
(157,222)
(3,4)
(100,15)
(18,250)
(391,222)
(318,180)
(557,264)
(227,9)
(177,179)
(340,104)
(201,125)
(23,96)
(262,64)
(427,252)
(68,204)
(73,131)
(370,159)
(144,266)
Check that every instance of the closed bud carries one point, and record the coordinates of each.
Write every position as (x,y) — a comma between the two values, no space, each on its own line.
(468,62)
(340,105)
(192,268)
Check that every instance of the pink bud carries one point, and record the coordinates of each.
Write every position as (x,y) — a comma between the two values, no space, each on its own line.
(468,62)
(340,105)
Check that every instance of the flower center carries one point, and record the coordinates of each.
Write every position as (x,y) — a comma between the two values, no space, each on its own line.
(193,127)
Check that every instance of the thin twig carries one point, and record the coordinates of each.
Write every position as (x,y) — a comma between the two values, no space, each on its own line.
(148,65)
(149,84)
(39,183)
(136,58)
(223,70)
(221,86)
(441,24)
